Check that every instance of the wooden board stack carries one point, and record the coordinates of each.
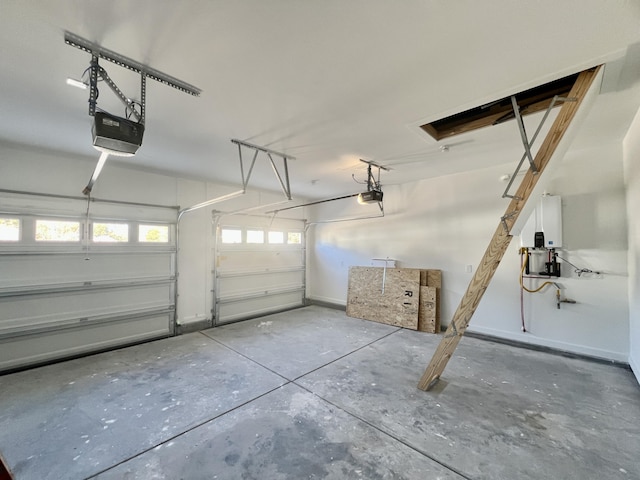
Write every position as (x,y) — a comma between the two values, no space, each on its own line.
(403,297)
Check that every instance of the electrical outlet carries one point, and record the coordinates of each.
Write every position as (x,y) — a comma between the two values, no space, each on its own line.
(468,268)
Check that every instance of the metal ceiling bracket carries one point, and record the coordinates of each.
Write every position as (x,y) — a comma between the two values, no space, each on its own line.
(373,183)
(284,182)
(144,71)
(143,95)
(97,51)
(528,145)
(286,188)
(93,84)
(128,103)
(245,180)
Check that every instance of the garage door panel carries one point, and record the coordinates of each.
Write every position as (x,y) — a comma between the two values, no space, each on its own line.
(21,270)
(240,259)
(236,285)
(52,307)
(249,308)
(16,352)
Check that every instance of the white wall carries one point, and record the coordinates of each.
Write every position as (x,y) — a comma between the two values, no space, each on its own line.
(632,180)
(40,171)
(447,222)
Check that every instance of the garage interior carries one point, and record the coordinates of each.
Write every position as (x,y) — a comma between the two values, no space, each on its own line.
(215,218)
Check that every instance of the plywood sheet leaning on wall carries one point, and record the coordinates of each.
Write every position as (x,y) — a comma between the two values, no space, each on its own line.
(429,315)
(397,305)
(428,321)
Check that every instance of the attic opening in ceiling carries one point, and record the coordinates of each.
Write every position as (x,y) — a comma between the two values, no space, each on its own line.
(530,101)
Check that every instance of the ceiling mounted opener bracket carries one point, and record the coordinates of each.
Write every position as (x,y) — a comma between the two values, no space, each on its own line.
(144,71)
(282,178)
(129,104)
(284,182)
(373,182)
(95,70)
(528,144)
(97,51)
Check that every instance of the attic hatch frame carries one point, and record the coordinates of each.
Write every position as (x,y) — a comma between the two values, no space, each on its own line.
(533,100)
(144,71)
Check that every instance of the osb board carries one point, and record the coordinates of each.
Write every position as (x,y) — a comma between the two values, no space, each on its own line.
(399,303)
(434,279)
(431,278)
(427,319)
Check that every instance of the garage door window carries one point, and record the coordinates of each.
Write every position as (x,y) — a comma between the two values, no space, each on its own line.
(255,236)
(153,233)
(110,232)
(231,235)
(294,238)
(57,231)
(9,230)
(276,237)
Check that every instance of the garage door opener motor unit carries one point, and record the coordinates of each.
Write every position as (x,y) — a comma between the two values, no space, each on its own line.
(116,135)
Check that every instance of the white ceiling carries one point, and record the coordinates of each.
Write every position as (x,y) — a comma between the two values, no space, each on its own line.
(328,82)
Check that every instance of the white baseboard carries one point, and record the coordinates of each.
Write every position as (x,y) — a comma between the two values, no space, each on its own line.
(545,342)
(635,367)
(335,301)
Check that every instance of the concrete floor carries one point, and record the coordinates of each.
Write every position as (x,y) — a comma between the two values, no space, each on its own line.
(312,394)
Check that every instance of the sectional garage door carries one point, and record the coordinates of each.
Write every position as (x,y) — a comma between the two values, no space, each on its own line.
(78,276)
(259,267)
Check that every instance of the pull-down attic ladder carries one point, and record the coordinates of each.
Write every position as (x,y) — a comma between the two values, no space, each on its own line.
(502,236)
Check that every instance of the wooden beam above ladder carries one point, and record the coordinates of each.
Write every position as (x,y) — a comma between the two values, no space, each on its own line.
(502,236)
